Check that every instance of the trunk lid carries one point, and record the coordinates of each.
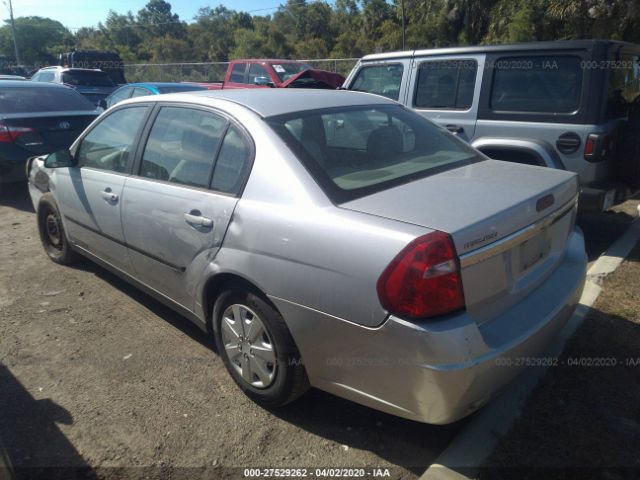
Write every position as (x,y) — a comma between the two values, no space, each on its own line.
(509,223)
(51,131)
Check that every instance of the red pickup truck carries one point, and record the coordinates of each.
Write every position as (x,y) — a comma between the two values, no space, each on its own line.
(274,73)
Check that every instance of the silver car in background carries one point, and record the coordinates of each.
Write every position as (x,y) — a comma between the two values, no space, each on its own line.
(325,238)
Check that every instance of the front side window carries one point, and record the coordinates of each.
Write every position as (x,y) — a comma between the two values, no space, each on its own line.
(382,80)
(624,85)
(237,73)
(356,151)
(182,145)
(446,84)
(110,144)
(537,84)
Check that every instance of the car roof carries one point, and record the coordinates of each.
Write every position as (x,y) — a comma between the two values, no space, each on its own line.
(270,102)
(157,84)
(510,47)
(30,84)
(71,69)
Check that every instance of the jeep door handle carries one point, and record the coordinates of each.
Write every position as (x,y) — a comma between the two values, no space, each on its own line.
(195,218)
(109,196)
(455,128)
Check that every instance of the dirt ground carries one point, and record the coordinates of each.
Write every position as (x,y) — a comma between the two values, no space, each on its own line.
(97,375)
(583,419)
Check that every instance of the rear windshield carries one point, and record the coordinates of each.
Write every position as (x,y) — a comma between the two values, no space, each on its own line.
(287,70)
(87,79)
(356,151)
(180,88)
(542,84)
(43,99)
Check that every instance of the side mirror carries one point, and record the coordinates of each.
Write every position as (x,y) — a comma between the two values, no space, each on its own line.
(102,104)
(59,159)
(263,81)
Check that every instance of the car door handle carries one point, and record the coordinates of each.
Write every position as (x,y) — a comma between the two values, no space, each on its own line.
(455,128)
(195,218)
(109,196)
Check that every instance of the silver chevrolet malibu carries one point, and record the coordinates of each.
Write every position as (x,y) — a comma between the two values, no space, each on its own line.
(324,238)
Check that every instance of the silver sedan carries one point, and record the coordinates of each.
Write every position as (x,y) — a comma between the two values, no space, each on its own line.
(324,238)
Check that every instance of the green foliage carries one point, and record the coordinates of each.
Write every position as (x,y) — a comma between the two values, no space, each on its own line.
(319,29)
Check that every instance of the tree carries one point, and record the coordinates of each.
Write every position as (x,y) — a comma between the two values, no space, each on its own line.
(157,20)
(37,37)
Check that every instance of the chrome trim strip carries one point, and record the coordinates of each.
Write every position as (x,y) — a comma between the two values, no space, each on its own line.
(516,238)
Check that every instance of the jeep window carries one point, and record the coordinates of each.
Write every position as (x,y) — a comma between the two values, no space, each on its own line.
(624,85)
(537,84)
(379,79)
(446,84)
(356,151)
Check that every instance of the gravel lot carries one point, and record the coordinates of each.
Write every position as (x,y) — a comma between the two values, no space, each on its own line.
(95,374)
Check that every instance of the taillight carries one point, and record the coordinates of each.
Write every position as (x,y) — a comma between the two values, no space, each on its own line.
(597,147)
(590,146)
(9,133)
(424,279)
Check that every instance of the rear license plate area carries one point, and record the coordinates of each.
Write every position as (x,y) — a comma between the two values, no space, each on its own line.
(534,250)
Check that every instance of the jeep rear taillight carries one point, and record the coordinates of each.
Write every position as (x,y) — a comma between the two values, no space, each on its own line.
(597,147)
(423,280)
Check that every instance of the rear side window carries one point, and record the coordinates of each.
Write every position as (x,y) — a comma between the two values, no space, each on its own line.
(446,84)
(538,84)
(257,70)
(110,144)
(182,145)
(81,78)
(44,77)
(119,95)
(382,80)
(624,84)
(237,73)
(233,162)
(42,99)
(140,92)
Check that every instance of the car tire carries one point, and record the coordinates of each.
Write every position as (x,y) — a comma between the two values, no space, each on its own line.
(52,235)
(258,349)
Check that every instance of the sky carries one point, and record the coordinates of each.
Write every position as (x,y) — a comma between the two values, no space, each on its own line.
(85,13)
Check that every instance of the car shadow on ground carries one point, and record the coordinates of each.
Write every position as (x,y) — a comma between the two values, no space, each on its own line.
(602,229)
(405,443)
(402,442)
(31,444)
(16,195)
(156,307)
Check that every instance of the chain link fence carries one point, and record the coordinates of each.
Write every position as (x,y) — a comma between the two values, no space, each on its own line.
(214,71)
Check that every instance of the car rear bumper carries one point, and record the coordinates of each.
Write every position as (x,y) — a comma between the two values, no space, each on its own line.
(436,371)
(602,197)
